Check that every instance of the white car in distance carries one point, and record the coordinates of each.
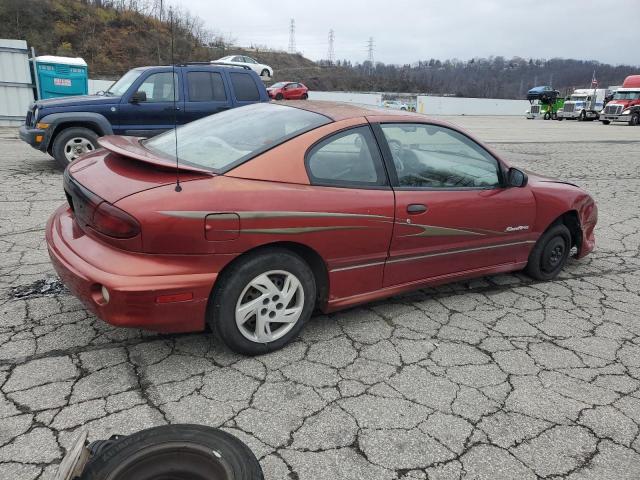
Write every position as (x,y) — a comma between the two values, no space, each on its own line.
(243,60)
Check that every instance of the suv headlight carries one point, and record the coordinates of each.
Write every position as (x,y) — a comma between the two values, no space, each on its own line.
(626,112)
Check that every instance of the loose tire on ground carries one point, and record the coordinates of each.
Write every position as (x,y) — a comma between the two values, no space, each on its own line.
(65,140)
(234,290)
(550,253)
(179,452)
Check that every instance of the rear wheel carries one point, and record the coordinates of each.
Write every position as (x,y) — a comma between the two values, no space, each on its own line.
(73,142)
(262,302)
(176,452)
(635,119)
(304,96)
(550,253)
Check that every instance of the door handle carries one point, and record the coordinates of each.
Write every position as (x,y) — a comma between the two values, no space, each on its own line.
(415,208)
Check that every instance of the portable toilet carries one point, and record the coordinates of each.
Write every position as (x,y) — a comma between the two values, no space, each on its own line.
(60,76)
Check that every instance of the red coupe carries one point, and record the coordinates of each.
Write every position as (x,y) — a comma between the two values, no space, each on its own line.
(285,208)
(288,91)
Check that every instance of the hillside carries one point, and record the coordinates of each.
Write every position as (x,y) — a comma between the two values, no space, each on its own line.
(116,35)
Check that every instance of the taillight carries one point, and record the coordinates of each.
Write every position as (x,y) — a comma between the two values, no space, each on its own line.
(113,222)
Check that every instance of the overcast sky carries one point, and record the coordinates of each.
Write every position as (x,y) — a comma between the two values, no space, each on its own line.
(405,31)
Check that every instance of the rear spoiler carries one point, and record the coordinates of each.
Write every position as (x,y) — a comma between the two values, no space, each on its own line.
(132,148)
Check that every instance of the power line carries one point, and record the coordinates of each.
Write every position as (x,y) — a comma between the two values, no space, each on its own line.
(292,37)
(331,53)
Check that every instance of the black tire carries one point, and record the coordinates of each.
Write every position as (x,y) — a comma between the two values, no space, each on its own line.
(560,119)
(583,116)
(550,253)
(554,116)
(180,452)
(606,122)
(547,116)
(66,135)
(279,96)
(635,119)
(265,73)
(221,314)
(304,96)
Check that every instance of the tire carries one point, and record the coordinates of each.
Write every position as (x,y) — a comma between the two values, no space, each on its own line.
(279,96)
(635,119)
(180,452)
(547,116)
(265,73)
(235,289)
(560,119)
(606,122)
(583,116)
(554,116)
(63,149)
(304,96)
(550,253)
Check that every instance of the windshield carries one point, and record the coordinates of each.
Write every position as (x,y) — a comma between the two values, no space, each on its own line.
(278,85)
(121,86)
(221,141)
(627,95)
(578,98)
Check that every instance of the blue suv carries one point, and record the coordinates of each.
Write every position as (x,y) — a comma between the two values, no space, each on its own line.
(140,104)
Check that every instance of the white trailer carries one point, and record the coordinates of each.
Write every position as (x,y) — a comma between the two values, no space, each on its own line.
(584,104)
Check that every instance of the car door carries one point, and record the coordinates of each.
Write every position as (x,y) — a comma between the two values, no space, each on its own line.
(206,94)
(159,111)
(348,178)
(243,88)
(453,214)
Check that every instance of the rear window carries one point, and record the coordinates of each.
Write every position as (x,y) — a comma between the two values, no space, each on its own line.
(245,88)
(224,140)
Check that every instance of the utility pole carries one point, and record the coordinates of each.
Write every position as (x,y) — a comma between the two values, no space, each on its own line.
(330,53)
(292,37)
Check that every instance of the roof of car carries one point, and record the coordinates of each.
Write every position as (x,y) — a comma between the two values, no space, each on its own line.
(342,111)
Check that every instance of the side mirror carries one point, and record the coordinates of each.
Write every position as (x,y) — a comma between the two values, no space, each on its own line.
(138,97)
(516,178)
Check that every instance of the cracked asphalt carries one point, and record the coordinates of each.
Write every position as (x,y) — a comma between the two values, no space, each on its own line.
(496,378)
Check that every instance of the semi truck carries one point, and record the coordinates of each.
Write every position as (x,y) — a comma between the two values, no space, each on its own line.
(625,106)
(545,102)
(583,104)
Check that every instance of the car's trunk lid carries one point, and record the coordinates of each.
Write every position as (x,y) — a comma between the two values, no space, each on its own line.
(125,167)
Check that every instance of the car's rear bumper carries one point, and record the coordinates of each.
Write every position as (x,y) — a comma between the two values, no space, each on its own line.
(35,137)
(139,285)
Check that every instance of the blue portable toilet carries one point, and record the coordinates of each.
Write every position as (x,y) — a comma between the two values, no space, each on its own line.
(60,76)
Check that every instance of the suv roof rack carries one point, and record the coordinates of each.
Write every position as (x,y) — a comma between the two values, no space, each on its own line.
(222,64)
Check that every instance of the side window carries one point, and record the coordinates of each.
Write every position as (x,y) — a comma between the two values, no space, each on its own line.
(159,87)
(348,158)
(430,156)
(238,58)
(206,87)
(245,88)
(249,60)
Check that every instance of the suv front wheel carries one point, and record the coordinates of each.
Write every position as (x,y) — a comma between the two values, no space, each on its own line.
(73,142)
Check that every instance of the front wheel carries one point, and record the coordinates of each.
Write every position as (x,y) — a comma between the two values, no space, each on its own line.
(279,96)
(606,122)
(177,452)
(547,116)
(261,302)
(550,253)
(634,120)
(72,143)
(265,73)
(583,116)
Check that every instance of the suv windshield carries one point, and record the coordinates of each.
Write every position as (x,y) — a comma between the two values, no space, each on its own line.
(222,141)
(121,86)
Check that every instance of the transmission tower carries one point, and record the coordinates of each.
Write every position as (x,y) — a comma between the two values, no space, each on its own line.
(370,56)
(292,37)
(330,53)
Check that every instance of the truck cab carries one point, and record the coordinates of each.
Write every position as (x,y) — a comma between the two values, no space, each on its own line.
(625,105)
(584,104)
(144,102)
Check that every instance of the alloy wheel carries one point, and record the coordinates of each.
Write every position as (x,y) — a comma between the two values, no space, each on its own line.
(77,146)
(269,306)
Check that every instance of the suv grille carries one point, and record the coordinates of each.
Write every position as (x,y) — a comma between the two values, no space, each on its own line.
(569,107)
(613,109)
